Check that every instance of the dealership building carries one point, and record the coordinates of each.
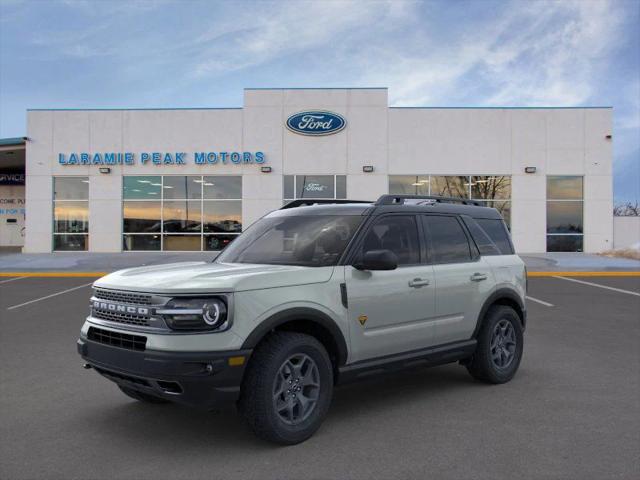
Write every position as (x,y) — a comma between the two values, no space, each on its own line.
(192,179)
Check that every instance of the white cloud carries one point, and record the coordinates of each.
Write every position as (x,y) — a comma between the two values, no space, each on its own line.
(531,53)
(274,30)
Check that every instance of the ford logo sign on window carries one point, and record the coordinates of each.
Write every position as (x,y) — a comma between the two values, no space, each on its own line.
(316,123)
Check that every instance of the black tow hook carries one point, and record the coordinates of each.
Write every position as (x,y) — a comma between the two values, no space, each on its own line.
(86,366)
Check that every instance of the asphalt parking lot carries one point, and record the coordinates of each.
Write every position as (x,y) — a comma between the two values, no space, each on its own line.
(573,410)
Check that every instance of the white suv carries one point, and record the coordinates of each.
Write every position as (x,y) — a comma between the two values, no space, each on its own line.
(311,296)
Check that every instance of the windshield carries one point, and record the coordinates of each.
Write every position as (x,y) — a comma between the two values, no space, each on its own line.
(309,241)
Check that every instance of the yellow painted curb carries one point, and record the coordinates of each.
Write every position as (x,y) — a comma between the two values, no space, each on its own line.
(583,274)
(53,274)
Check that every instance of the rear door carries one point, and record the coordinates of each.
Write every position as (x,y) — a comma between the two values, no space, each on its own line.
(463,279)
(390,311)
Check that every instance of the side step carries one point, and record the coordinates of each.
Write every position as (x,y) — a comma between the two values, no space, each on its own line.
(432,356)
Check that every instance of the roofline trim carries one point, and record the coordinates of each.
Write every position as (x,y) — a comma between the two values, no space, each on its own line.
(505,108)
(316,88)
(14,141)
(134,109)
(126,109)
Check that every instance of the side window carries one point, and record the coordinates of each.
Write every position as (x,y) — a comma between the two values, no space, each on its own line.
(497,232)
(449,243)
(484,243)
(398,233)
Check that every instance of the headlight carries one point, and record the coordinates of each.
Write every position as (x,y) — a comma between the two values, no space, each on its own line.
(195,314)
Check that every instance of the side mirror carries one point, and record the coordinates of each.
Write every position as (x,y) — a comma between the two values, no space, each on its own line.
(377,260)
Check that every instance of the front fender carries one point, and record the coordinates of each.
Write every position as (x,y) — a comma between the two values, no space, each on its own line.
(314,315)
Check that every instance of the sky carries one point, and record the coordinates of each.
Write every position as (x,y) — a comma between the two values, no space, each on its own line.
(140,54)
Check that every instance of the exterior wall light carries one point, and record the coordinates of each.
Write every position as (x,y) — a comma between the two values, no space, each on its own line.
(529,169)
(367,168)
(265,169)
(609,137)
(105,170)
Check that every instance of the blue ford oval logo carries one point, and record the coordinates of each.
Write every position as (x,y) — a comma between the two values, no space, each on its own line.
(316,122)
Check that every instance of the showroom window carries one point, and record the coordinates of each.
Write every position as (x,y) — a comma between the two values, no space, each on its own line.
(70,213)
(181,213)
(316,187)
(493,190)
(564,214)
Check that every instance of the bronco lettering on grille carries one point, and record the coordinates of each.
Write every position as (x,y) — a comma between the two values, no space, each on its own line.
(115,307)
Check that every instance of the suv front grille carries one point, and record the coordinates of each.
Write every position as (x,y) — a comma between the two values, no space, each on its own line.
(126,318)
(124,297)
(117,339)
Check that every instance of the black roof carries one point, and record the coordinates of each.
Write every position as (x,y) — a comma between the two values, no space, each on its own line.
(389,204)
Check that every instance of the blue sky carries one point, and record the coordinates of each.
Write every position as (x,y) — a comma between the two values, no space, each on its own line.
(79,54)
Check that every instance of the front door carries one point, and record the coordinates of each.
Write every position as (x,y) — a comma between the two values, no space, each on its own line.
(390,311)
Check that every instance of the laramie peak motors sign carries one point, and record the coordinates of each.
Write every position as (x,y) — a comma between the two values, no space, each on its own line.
(160,158)
(316,123)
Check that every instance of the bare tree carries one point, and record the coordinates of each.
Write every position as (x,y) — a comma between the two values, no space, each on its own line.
(628,209)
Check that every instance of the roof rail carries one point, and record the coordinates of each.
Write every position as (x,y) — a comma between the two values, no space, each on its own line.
(400,200)
(301,202)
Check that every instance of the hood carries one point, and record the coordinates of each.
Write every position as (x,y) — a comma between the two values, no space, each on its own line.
(204,277)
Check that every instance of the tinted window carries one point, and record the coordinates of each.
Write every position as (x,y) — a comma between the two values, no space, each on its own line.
(564,188)
(497,233)
(311,241)
(315,186)
(457,187)
(481,238)
(564,217)
(71,188)
(222,186)
(564,243)
(142,187)
(398,234)
(449,243)
(409,184)
(182,187)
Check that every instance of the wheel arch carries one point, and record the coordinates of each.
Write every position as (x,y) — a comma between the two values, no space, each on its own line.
(304,320)
(503,296)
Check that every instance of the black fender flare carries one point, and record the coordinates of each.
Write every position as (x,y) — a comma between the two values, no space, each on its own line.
(502,294)
(300,313)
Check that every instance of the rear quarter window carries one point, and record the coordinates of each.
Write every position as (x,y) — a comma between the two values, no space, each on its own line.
(497,232)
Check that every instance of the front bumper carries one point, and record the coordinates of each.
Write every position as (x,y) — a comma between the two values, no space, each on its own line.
(198,379)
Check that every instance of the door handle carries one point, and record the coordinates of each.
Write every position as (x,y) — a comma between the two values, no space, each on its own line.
(418,282)
(478,277)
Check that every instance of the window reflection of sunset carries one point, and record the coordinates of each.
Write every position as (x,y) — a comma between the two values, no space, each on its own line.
(186,207)
(72,211)
(142,210)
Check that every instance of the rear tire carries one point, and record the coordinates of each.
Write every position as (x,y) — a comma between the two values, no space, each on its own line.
(287,388)
(140,396)
(500,346)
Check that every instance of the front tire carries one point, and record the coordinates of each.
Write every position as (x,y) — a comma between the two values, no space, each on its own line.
(500,346)
(287,388)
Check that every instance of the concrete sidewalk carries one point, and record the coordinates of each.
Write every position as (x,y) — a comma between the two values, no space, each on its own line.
(93,262)
(70,262)
(577,262)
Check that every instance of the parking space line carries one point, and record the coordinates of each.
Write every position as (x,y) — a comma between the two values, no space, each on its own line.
(620,290)
(12,279)
(49,296)
(53,274)
(541,302)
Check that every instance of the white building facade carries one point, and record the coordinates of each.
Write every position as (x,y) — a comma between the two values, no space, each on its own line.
(192,179)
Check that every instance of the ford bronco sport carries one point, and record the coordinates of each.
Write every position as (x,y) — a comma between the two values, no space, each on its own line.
(311,296)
